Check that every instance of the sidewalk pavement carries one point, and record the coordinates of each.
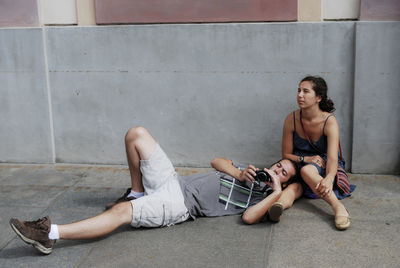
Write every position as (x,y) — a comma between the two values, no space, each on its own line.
(305,236)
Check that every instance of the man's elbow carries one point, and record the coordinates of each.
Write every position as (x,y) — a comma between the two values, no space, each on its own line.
(248,219)
(214,162)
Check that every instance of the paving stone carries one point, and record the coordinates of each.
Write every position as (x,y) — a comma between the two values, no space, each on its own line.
(30,195)
(206,242)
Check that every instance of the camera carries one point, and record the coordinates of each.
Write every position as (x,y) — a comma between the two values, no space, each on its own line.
(261,176)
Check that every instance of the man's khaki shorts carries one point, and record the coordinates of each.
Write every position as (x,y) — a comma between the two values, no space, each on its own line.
(163,203)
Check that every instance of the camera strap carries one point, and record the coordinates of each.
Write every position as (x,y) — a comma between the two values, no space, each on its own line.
(312,144)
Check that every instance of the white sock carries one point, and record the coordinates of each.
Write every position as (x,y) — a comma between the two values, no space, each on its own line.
(135,194)
(54,234)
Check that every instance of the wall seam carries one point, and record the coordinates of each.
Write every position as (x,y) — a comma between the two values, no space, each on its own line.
(354,97)
(49,98)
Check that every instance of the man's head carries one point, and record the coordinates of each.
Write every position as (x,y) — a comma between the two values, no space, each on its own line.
(287,171)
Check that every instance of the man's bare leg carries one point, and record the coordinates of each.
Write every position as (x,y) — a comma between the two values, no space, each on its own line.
(285,201)
(99,225)
(139,144)
(290,194)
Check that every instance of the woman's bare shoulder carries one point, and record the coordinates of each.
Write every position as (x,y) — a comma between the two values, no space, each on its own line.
(290,115)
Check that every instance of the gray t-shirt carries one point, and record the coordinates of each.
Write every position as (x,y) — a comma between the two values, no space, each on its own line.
(206,194)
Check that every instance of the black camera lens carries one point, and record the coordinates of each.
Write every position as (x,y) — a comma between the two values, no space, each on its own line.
(261,175)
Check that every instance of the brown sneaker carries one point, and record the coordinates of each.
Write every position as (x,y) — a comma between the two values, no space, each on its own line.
(35,233)
(121,199)
(275,212)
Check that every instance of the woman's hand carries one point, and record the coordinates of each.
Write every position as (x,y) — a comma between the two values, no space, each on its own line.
(316,159)
(324,187)
(248,174)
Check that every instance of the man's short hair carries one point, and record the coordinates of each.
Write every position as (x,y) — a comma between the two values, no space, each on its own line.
(295,177)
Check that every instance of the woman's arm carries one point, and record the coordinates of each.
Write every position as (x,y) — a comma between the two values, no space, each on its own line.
(332,133)
(287,139)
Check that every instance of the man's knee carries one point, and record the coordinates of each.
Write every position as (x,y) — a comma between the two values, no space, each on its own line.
(294,189)
(290,194)
(297,188)
(135,133)
(123,211)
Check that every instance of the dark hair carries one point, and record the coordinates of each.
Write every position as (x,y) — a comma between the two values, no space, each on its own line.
(295,177)
(321,89)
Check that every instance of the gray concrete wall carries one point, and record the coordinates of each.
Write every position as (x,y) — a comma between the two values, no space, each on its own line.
(25,133)
(376,144)
(203,90)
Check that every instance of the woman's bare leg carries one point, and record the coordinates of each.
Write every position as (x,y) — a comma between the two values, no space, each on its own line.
(311,176)
(100,225)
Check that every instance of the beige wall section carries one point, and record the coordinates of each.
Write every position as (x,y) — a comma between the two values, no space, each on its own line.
(340,9)
(310,10)
(86,12)
(58,11)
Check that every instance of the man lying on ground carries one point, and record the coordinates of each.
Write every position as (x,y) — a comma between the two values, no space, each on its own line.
(157,196)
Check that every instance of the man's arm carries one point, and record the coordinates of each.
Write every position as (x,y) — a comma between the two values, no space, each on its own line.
(226,166)
(255,213)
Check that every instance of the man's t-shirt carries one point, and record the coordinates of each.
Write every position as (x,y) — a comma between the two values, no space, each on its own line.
(206,194)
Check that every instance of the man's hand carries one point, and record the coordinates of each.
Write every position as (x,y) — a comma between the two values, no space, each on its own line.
(275,183)
(248,174)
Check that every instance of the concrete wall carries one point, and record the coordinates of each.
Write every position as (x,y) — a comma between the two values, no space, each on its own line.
(377,98)
(25,132)
(203,90)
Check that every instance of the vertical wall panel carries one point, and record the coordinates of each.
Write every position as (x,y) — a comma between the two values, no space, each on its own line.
(376,143)
(24,121)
